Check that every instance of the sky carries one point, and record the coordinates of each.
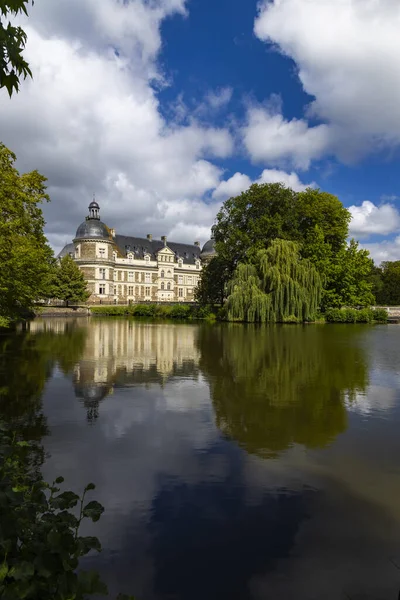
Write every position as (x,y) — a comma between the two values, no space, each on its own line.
(166,108)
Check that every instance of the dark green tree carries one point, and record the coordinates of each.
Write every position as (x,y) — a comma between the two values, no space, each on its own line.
(70,284)
(13,66)
(212,286)
(388,288)
(26,258)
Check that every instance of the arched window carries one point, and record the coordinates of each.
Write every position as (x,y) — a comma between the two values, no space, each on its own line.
(162,273)
(168,286)
(162,285)
(169,273)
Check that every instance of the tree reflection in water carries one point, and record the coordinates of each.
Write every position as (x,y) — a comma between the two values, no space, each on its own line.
(275,386)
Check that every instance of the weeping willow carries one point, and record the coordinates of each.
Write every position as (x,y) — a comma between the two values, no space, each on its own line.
(280,284)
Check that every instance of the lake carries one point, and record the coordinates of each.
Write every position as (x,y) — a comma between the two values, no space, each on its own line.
(233,461)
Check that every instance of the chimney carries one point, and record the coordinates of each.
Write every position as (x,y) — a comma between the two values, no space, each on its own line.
(112,231)
(164,239)
(197,244)
(149,237)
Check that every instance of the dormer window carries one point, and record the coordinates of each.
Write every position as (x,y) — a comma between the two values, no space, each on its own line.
(114,255)
(197,264)
(147,258)
(180,263)
(130,257)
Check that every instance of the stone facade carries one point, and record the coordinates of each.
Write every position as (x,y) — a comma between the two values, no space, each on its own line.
(128,269)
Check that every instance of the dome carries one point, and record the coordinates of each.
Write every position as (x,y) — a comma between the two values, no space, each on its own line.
(94,204)
(208,250)
(92,228)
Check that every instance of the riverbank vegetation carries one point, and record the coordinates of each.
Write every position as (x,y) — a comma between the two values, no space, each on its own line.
(159,311)
(285,256)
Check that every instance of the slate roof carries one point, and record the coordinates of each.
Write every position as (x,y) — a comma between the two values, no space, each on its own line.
(92,228)
(139,246)
(68,249)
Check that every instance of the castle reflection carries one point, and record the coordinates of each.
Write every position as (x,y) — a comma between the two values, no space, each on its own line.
(123,353)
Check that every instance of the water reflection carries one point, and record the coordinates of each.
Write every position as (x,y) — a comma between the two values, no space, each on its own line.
(183,419)
(275,386)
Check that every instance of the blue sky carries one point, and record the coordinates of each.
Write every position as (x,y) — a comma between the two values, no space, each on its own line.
(167,108)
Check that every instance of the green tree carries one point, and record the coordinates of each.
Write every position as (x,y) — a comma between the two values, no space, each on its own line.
(70,284)
(25,257)
(279,285)
(211,288)
(349,278)
(13,66)
(388,290)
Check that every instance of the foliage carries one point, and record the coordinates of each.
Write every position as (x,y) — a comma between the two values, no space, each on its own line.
(317,221)
(13,66)
(69,283)
(211,288)
(168,311)
(387,283)
(352,315)
(380,315)
(25,257)
(276,386)
(40,545)
(279,285)
(348,281)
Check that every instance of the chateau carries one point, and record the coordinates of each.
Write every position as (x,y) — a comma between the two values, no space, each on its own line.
(121,268)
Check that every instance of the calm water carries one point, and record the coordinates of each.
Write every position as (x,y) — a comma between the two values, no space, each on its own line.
(234,462)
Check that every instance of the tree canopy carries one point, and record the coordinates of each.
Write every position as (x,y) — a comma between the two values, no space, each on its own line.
(386,282)
(70,284)
(26,259)
(314,220)
(277,286)
(13,38)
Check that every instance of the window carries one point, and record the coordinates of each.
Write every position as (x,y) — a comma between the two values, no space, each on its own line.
(189,279)
(180,278)
(168,286)
(130,257)
(148,277)
(130,290)
(114,255)
(147,291)
(147,258)
(102,288)
(137,290)
(180,292)
(120,290)
(115,275)
(162,285)
(77,251)
(102,252)
(180,263)
(162,273)
(131,276)
(197,264)
(102,273)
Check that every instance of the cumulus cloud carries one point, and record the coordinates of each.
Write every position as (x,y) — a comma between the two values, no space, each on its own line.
(218,98)
(346,54)
(384,251)
(239,183)
(369,219)
(90,121)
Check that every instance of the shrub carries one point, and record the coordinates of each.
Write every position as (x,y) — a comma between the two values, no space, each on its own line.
(380,315)
(40,545)
(291,319)
(365,315)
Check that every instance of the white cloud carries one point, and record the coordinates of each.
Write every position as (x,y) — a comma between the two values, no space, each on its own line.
(90,121)
(239,183)
(218,98)
(346,52)
(369,219)
(384,251)
(270,138)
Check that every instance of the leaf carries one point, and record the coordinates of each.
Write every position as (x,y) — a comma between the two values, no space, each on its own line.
(64,501)
(3,571)
(90,486)
(93,510)
(59,480)
(22,570)
(89,543)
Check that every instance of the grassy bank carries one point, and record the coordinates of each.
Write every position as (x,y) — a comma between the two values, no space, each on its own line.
(174,311)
